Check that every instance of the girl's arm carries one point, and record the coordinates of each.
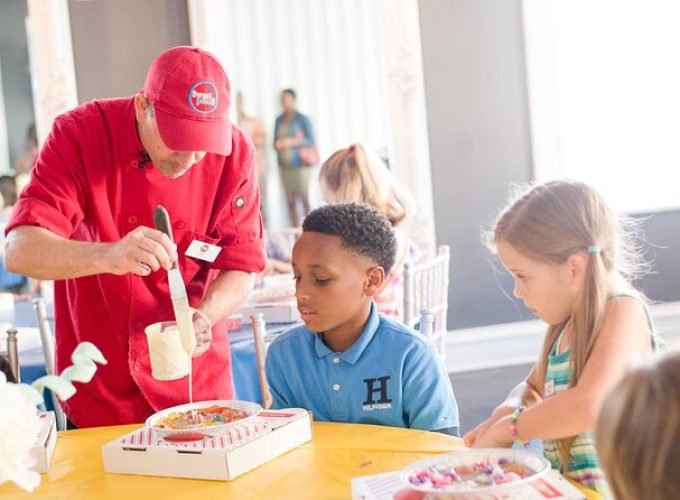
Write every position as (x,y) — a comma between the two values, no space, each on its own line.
(624,335)
(525,394)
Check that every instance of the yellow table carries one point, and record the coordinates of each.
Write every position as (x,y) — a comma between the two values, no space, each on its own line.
(320,469)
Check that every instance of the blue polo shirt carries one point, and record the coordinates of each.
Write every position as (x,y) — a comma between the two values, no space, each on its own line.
(391,375)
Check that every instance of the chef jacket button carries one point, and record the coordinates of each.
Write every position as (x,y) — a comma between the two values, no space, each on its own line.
(336,360)
(132,219)
(240,202)
(138,366)
(336,387)
(180,224)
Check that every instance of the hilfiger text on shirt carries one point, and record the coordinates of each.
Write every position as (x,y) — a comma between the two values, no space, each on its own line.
(376,386)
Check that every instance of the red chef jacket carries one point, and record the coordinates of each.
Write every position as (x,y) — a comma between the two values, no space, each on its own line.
(93,182)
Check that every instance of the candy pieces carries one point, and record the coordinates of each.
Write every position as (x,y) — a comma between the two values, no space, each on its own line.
(485,472)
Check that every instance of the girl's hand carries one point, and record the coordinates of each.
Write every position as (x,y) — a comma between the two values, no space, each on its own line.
(471,437)
(495,436)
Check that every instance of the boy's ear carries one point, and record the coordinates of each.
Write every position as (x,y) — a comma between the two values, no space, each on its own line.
(375,279)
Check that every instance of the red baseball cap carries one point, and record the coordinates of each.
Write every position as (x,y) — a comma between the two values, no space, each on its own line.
(191,95)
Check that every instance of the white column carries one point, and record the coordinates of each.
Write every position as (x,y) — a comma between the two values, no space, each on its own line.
(209,25)
(50,52)
(410,150)
(542,89)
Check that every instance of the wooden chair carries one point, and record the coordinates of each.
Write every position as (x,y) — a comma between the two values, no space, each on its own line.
(426,287)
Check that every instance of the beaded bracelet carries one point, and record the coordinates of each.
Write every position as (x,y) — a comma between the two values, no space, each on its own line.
(513,427)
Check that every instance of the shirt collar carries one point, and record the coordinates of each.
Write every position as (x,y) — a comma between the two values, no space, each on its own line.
(355,351)
(131,137)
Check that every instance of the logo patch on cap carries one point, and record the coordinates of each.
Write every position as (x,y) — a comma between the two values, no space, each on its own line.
(203,97)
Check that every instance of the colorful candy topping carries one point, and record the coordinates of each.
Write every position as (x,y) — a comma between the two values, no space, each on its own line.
(486,472)
(200,418)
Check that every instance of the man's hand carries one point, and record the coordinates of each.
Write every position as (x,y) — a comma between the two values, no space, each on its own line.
(140,252)
(203,329)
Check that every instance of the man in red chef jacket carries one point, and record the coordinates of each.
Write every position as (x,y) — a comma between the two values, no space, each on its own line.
(85,220)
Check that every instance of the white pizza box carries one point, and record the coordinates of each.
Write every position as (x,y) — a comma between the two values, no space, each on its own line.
(43,449)
(243,448)
(388,486)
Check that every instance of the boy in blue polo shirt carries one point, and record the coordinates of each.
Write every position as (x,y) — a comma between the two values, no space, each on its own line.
(348,363)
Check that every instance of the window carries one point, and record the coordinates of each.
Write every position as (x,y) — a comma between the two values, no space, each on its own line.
(604,93)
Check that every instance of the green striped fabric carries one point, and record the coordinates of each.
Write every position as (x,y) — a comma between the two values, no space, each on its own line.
(583,465)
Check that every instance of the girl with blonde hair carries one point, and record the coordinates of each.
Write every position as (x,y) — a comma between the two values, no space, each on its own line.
(638,435)
(357,174)
(572,261)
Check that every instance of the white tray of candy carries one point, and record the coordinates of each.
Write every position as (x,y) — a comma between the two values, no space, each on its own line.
(477,470)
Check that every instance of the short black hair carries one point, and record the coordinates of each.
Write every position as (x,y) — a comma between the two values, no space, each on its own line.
(291,92)
(361,228)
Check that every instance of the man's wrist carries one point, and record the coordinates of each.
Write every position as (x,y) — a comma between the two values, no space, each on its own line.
(205,317)
(100,258)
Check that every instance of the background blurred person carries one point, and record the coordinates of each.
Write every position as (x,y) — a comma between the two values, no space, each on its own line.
(254,129)
(358,174)
(296,150)
(11,282)
(25,162)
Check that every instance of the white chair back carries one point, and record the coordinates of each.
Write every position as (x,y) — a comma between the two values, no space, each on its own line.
(262,340)
(47,341)
(426,286)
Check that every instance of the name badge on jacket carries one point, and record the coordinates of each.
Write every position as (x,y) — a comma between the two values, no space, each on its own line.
(549,388)
(203,251)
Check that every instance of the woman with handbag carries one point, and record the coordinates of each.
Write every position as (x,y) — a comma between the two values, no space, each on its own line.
(296,151)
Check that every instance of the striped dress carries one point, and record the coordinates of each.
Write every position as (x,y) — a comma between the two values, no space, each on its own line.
(583,465)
